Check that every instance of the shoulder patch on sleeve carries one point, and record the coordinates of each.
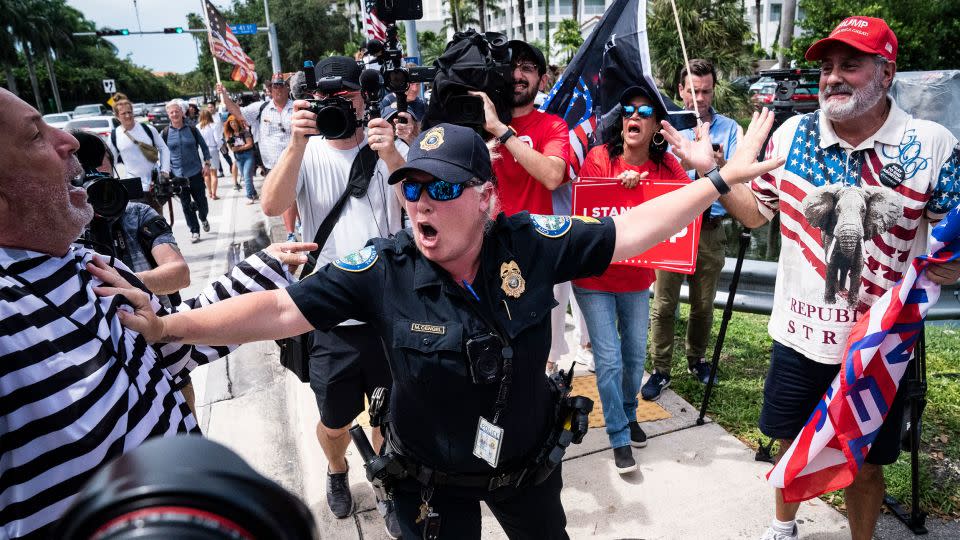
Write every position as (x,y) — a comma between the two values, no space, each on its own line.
(585,219)
(550,226)
(358,261)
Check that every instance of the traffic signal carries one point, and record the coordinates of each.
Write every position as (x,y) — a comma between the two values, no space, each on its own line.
(173,30)
(112,32)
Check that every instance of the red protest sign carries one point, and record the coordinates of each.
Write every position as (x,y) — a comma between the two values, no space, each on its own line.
(602,197)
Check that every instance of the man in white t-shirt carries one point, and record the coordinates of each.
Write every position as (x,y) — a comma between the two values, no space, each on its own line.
(124,145)
(861,183)
(313,172)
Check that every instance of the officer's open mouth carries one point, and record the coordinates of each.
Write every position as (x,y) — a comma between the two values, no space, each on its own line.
(427,231)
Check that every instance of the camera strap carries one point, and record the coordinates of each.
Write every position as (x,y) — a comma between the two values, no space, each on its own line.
(359,180)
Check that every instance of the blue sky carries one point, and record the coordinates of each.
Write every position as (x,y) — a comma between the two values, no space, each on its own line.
(158,52)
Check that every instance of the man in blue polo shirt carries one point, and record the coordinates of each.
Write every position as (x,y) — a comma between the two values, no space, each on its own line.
(724,134)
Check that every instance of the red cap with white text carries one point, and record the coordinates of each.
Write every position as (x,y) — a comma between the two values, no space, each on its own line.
(866,34)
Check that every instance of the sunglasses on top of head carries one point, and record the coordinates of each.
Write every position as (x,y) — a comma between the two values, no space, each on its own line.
(438,190)
(644,111)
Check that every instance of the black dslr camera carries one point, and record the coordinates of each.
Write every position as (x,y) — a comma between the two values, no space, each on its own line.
(336,116)
(164,188)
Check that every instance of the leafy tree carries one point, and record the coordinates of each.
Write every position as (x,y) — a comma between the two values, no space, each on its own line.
(431,46)
(568,37)
(712,29)
(463,15)
(926,31)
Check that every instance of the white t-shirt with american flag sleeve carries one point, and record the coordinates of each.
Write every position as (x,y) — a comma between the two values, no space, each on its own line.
(887,189)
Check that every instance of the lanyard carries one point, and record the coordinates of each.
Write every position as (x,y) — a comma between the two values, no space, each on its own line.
(506,352)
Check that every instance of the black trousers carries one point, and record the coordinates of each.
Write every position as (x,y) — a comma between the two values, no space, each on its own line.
(193,199)
(533,512)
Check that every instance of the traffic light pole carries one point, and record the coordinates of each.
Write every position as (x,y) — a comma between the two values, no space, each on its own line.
(185,31)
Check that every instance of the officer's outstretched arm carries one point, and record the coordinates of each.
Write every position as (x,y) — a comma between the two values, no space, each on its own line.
(654,221)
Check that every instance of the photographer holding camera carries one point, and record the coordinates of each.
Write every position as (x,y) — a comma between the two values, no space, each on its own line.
(141,149)
(312,174)
(79,389)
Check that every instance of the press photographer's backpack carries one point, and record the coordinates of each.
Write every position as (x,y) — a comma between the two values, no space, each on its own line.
(472,61)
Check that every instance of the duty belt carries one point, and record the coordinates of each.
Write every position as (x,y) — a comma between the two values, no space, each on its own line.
(428,476)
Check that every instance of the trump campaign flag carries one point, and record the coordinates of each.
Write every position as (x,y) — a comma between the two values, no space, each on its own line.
(617,52)
(224,46)
(831,447)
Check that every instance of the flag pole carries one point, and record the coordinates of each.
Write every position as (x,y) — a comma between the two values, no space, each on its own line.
(686,62)
(216,65)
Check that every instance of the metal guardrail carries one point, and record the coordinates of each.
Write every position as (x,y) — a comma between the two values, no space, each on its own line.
(755,291)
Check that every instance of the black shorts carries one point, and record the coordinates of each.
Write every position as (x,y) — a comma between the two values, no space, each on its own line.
(792,390)
(346,363)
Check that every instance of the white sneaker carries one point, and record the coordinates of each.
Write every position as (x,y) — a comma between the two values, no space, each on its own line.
(773,534)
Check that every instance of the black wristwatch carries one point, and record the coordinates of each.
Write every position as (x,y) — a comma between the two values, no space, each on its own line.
(506,136)
(714,176)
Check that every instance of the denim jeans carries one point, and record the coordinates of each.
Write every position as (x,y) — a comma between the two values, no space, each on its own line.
(617,323)
(193,200)
(245,164)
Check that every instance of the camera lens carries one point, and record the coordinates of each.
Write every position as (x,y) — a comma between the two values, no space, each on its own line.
(107,196)
(334,123)
(184,487)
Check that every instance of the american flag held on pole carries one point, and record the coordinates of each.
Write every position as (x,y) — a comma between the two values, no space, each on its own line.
(831,447)
(224,46)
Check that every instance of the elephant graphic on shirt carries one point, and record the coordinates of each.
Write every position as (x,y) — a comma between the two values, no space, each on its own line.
(848,216)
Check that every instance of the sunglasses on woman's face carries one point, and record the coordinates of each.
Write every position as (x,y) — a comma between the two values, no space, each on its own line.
(644,111)
(438,190)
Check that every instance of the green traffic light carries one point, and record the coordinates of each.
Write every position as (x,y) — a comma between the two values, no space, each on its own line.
(124,32)
(179,30)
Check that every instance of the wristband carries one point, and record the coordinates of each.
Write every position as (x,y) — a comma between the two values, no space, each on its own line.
(506,136)
(714,176)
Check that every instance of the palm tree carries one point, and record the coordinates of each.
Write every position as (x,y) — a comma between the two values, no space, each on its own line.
(11,13)
(522,12)
(55,37)
(482,6)
(463,14)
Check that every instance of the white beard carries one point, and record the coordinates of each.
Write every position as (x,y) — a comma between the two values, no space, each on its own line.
(860,101)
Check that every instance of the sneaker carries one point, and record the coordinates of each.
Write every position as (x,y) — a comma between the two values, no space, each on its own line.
(339,498)
(773,534)
(291,237)
(390,522)
(638,439)
(623,460)
(701,372)
(651,390)
(195,237)
(236,187)
(206,226)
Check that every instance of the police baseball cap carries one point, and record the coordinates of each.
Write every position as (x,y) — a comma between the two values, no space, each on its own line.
(341,66)
(517,47)
(641,91)
(447,152)
(865,34)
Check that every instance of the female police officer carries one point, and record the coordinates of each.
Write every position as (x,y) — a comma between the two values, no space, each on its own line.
(446,295)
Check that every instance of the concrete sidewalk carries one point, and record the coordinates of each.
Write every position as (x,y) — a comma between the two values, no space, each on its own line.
(693,481)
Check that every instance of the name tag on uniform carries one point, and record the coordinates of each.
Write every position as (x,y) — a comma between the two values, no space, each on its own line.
(488,441)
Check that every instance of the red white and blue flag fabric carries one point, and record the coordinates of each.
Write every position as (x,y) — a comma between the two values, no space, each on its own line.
(616,51)
(224,45)
(373,26)
(831,447)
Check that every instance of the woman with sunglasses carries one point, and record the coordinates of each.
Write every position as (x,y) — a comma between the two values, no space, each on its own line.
(462,300)
(616,304)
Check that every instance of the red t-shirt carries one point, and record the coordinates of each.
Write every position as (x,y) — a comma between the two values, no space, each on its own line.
(545,133)
(623,278)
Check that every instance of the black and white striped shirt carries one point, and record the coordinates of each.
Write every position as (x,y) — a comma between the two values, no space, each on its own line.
(77,388)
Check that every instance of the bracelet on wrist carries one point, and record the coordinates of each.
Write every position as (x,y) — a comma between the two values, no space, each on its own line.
(717,180)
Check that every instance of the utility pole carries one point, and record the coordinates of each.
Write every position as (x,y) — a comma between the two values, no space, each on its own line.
(413,46)
(272,37)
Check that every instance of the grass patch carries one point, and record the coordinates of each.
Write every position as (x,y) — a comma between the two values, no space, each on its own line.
(735,404)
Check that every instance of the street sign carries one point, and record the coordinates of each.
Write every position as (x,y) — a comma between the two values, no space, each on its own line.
(241,29)
(109,86)
(411,60)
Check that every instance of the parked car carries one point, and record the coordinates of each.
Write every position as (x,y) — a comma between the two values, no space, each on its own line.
(97,125)
(95,109)
(58,120)
(157,115)
(742,83)
(805,97)
(140,109)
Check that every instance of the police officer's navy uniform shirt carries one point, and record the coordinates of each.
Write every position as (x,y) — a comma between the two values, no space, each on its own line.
(424,319)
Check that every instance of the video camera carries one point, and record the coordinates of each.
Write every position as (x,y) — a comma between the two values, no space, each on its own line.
(788,80)
(165,187)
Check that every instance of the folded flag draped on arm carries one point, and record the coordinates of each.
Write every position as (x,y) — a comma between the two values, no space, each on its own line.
(618,45)
(224,45)
(831,447)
